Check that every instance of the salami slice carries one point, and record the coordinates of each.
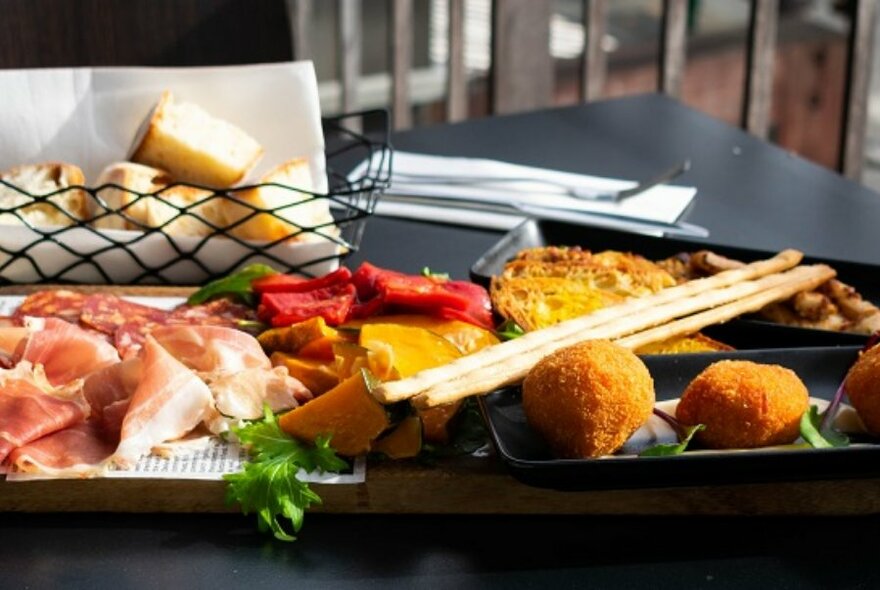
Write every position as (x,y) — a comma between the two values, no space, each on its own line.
(59,303)
(107,313)
(220,312)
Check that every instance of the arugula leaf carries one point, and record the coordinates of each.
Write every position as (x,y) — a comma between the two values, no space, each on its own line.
(268,483)
(669,449)
(509,330)
(816,435)
(237,284)
(426,272)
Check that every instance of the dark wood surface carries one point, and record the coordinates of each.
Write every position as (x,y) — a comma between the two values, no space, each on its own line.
(595,61)
(858,75)
(760,66)
(55,33)
(401,62)
(456,81)
(522,69)
(673,46)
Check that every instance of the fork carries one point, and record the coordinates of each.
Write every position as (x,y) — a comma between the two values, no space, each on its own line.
(578,192)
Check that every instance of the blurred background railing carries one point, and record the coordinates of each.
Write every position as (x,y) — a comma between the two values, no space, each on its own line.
(794,71)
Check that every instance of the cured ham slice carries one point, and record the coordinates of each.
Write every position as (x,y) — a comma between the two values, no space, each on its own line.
(30,409)
(170,400)
(10,338)
(78,451)
(108,392)
(66,351)
(212,349)
(241,396)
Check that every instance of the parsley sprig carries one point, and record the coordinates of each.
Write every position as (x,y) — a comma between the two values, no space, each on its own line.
(268,483)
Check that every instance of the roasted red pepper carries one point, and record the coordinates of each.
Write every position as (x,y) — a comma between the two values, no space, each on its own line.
(371,290)
(334,304)
(479,308)
(290,284)
(365,277)
(418,293)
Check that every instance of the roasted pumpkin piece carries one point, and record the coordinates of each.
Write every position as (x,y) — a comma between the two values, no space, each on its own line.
(404,442)
(684,344)
(350,358)
(466,337)
(380,362)
(436,422)
(411,349)
(317,376)
(312,338)
(348,413)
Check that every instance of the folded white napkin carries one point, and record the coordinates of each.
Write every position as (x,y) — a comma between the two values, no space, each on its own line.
(439,177)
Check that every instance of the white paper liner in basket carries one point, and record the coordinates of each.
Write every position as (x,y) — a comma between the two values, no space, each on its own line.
(88,117)
(173,255)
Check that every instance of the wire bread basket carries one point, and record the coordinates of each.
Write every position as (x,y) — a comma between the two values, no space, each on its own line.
(155,254)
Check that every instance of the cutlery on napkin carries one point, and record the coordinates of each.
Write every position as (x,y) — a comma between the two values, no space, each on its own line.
(437,188)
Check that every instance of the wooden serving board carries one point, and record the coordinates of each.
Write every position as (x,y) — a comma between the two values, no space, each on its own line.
(465,485)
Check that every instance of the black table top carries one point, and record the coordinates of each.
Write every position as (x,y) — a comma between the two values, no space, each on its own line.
(750,194)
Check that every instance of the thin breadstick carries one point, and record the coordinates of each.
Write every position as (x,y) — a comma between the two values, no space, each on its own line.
(696,322)
(488,378)
(407,388)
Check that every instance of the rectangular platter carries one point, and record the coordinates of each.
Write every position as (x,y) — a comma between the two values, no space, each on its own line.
(821,369)
(743,334)
(459,485)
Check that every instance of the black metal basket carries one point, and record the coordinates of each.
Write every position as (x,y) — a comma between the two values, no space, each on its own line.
(156,253)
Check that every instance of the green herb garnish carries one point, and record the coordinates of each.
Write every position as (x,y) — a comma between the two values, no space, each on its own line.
(237,285)
(509,330)
(268,484)
(669,449)
(818,433)
(427,272)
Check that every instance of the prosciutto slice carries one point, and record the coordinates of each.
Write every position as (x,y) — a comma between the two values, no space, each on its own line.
(80,450)
(237,371)
(66,351)
(30,408)
(169,401)
(108,392)
(211,349)
(241,396)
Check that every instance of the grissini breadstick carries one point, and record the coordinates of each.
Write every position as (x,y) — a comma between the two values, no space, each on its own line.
(718,315)
(738,299)
(406,388)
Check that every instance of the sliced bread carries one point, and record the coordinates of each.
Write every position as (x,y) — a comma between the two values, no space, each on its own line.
(193,145)
(66,208)
(295,210)
(148,199)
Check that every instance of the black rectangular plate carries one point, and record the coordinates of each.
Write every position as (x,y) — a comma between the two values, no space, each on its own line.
(528,459)
(535,233)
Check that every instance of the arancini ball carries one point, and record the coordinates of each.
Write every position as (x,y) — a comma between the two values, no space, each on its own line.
(744,405)
(586,400)
(863,388)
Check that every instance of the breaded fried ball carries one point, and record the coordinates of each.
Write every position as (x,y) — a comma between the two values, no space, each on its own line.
(587,400)
(863,388)
(744,405)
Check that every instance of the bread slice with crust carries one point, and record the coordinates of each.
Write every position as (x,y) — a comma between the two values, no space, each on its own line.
(148,198)
(193,145)
(65,208)
(294,210)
